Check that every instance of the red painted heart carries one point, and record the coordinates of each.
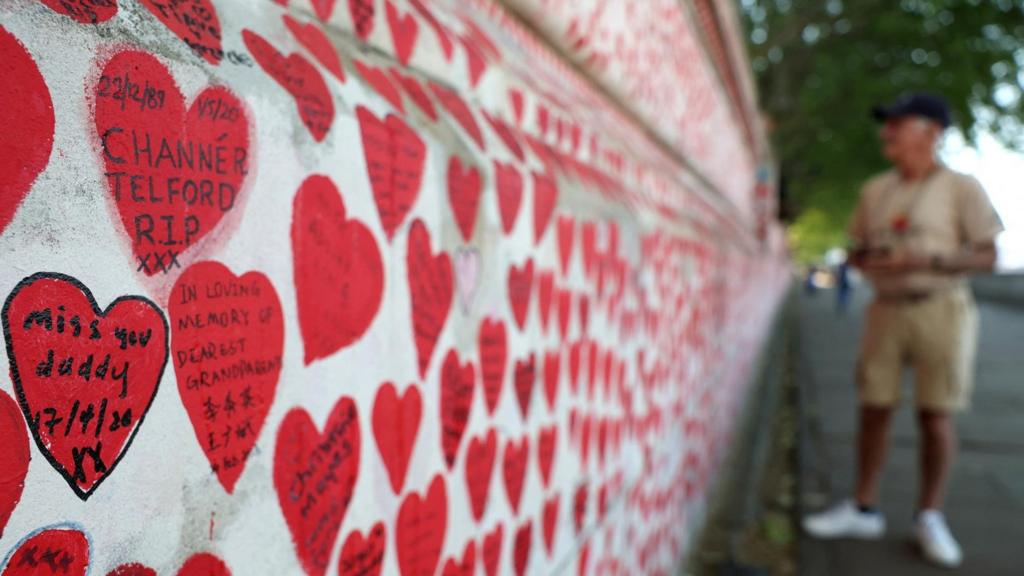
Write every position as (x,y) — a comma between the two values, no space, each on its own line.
(415,91)
(575,135)
(515,98)
(545,197)
(575,359)
(442,32)
(228,340)
(608,373)
(363,556)
(559,131)
(513,470)
(108,363)
(204,564)
(457,107)
(547,440)
(602,441)
(404,30)
(420,529)
(431,288)
(491,550)
(476,63)
(492,342)
(464,186)
(543,119)
(525,376)
(195,22)
(521,547)
(14,457)
(314,476)
(300,79)
(545,288)
(319,45)
(362,13)
(579,509)
(507,135)
(173,173)
(583,301)
(585,422)
(395,157)
(550,523)
(467,567)
(588,232)
(83,11)
(61,551)
(26,113)
(564,312)
(594,354)
(544,153)
(480,458)
(510,194)
(380,82)
(396,423)
(566,238)
(339,275)
(520,286)
(458,384)
(132,569)
(323,8)
(481,39)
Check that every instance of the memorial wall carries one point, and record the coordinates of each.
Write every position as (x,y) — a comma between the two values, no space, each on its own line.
(366,287)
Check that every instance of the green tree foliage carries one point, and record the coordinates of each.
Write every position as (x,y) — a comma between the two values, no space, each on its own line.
(822,64)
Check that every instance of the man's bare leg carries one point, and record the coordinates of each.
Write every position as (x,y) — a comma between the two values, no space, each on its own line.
(872,446)
(938,447)
(859,519)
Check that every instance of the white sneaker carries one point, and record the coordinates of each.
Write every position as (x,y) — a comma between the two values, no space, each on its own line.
(845,520)
(937,543)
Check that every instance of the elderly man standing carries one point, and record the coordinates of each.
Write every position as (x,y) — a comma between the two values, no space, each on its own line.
(918,230)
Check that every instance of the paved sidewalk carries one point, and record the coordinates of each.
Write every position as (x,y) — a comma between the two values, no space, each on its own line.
(985,506)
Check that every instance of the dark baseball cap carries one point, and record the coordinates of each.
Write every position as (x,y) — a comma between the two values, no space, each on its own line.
(921,104)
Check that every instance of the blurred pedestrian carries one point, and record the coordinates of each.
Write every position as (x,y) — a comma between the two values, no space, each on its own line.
(843,287)
(918,230)
(810,288)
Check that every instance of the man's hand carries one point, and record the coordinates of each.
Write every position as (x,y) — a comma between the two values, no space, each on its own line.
(895,263)
(978,258)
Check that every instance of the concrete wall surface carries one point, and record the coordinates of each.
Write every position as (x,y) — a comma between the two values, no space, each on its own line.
(366,287)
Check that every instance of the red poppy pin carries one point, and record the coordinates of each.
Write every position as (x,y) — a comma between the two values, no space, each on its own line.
(900,224)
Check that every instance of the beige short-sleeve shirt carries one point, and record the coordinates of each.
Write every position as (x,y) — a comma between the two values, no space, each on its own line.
(935,216)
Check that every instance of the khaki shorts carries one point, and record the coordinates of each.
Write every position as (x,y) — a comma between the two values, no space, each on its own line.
(937,337)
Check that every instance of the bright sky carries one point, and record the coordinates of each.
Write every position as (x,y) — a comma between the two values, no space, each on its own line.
(1001,172)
